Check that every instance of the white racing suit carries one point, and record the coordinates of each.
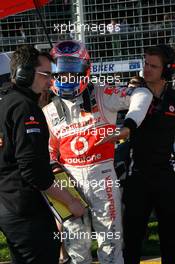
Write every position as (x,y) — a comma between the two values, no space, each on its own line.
(72,140)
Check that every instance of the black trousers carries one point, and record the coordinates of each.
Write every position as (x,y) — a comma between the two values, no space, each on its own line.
(144,192)
(31,238)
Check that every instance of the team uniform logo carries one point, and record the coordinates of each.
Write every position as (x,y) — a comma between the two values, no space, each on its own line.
(79,145)
(171,108)
(32,125)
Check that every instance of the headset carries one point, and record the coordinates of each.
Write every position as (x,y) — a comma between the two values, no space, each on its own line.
(25,71)
(24,75)
(169,67)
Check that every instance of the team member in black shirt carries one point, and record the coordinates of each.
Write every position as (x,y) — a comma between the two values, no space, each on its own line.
(152,183)
(24,163)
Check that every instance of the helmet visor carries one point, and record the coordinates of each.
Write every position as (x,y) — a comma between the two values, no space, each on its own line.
(71,64)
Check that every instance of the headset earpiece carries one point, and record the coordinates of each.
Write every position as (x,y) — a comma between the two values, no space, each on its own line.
(168,71)
(169,68)
(25,75)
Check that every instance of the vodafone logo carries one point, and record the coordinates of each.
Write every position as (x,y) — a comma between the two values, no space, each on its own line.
(79,145)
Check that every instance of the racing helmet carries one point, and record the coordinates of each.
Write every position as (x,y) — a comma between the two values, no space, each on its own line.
(71,57)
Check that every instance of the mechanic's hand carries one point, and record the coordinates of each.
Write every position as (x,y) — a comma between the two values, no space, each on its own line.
(123,133)
(110,138)
(57,168)
(76,207)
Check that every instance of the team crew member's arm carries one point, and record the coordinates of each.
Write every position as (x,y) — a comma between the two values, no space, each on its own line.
(140,101)
(124,133)
(30,136)
(138,108)
(120,100)
(139,104)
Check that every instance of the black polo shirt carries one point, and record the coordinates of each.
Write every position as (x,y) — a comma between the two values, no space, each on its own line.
(24,157)
(152,142)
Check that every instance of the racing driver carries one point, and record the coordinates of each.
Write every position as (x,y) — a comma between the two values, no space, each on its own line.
(78,117)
